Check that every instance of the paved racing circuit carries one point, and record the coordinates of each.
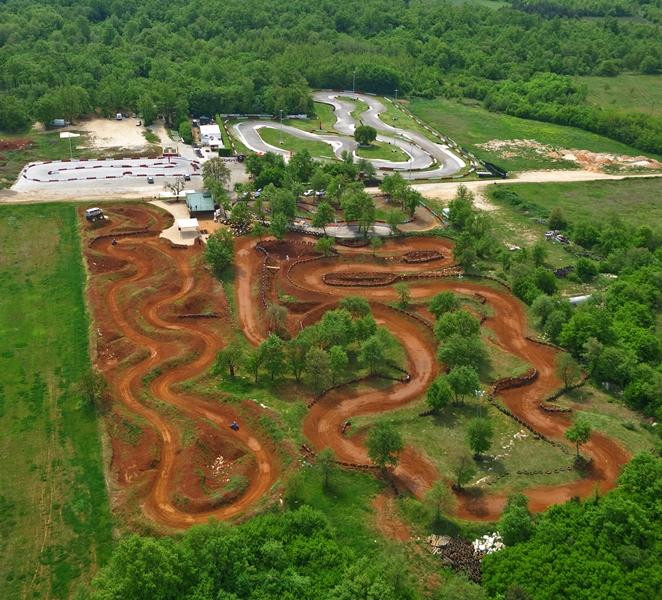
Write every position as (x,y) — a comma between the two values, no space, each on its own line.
(427,159)
(130,173)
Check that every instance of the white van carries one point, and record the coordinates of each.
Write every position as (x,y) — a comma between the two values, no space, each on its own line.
(118,117)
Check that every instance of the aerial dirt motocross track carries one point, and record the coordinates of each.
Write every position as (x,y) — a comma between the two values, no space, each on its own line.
(140,286)
(292,267)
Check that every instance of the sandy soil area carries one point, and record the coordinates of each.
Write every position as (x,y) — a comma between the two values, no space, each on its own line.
(108,133)
(591,161)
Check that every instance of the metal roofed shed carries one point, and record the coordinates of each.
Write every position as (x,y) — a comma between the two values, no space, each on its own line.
(199,203)
(210,135)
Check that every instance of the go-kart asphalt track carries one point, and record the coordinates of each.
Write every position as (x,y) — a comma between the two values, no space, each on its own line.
(115,175)
(168,276)
(427,159)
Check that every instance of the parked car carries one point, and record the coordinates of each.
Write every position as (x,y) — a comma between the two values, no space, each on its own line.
(320,194)
(139,124)
(198,152)
(150,179)
(257,193)
(187,177)
(241,157)
(94,214)
(309,192)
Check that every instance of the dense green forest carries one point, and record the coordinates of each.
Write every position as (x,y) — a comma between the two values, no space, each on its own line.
(62,58)
(602,548)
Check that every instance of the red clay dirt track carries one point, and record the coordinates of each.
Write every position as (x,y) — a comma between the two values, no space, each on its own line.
(301,274)
(149,324)
(138,290)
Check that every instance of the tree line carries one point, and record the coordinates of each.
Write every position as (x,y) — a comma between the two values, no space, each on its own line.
(226,56)
(603,547)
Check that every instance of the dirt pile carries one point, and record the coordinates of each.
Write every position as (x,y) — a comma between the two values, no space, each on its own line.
(591,161)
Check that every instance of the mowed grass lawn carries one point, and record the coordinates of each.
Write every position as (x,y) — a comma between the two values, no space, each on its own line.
(55,524)
(470,125)
(636,93)
(382,150)
(635,201)
(284,140)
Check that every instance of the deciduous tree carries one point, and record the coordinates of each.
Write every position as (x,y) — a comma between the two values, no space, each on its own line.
(579,432)
(219,251)
(384,445)
(479,433)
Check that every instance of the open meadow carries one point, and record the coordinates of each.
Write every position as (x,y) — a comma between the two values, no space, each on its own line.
(55,524)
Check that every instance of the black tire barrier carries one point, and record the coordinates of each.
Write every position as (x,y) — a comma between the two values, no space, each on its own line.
(122,234)
(210,315)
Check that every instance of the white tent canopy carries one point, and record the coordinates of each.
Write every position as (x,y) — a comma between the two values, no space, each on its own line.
(185,225)
(68,134)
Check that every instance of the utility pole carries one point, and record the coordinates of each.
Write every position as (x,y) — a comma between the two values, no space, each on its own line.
(281,126)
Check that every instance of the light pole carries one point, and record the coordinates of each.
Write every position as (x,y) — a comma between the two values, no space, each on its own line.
(354,81)
(396,95)
(281,126)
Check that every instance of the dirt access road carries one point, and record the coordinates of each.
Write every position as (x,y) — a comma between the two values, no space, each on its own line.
(446,190)
(300,273)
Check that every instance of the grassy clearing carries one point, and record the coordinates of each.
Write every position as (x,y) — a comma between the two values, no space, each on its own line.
(382,150)
(55,524)
(469,125)
(45,146)
(635,201)
(443,440)
(609,416)
(284,140)
(396,117)
(632,93)
(323,121)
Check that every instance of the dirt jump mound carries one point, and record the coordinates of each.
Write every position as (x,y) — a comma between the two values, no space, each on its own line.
(422,256)
(359,279)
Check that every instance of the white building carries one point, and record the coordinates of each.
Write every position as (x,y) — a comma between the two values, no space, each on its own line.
(210,135)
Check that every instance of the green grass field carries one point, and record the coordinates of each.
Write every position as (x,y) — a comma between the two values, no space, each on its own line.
(294,144)
(636,93)
(55,524)
(382,150)
(635,201)
(470,125)
(323,120)
(46,146)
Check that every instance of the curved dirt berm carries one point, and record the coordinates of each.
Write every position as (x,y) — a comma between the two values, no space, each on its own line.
(308,281)
(145,351)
